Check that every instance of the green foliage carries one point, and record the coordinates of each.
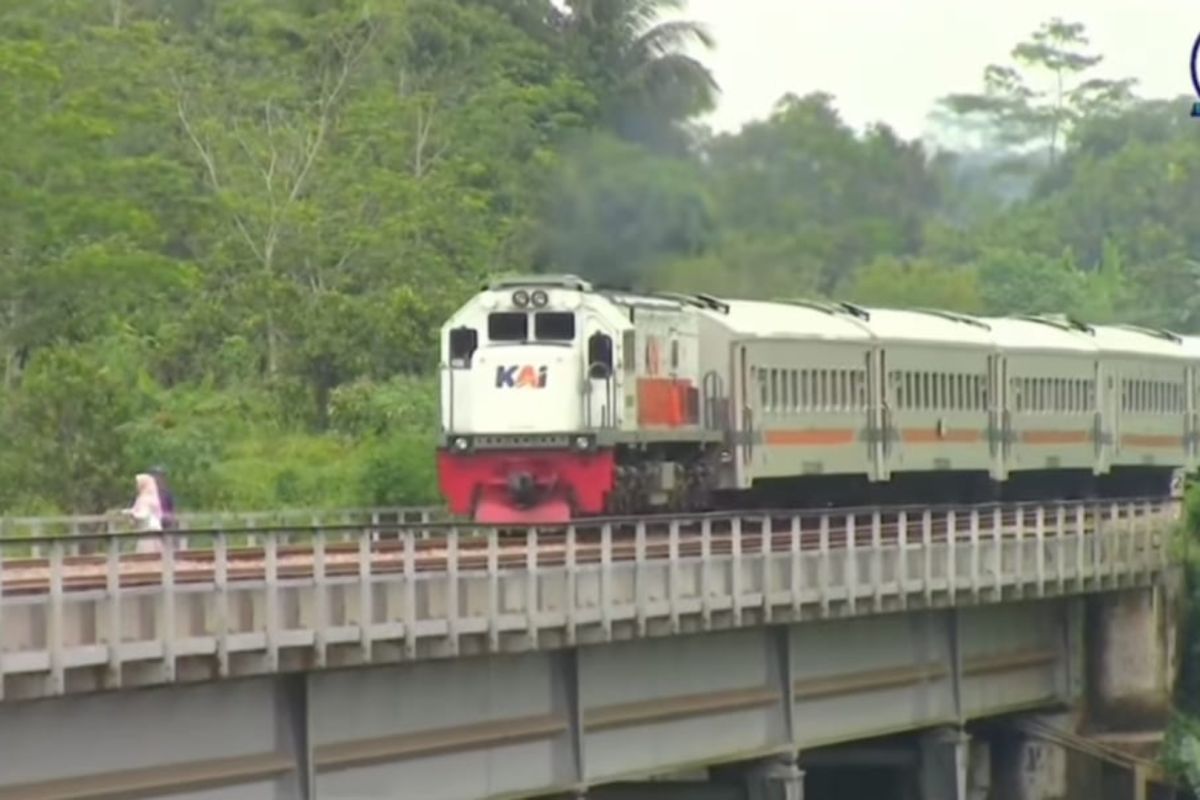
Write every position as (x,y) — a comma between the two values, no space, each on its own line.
(1043,94)
(232,230)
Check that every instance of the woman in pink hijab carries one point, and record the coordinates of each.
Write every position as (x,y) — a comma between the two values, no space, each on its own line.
(147,510)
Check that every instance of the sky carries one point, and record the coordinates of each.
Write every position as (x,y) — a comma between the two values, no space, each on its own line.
(891,60)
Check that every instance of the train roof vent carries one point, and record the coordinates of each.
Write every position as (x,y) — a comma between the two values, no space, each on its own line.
(828,307)
(855,310)
(696,300)
(1158,333)
(557,281)
(955,316)
(1061,321)
(715,303)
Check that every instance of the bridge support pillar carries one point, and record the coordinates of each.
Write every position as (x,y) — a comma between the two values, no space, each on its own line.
(953,766)
(1132,657)
(775,779)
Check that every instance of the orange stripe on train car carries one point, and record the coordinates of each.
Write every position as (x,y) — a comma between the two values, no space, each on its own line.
(932,436)
(811,436)
(1151,440)
(1055,437)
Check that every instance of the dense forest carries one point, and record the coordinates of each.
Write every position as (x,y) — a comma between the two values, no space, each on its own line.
(231,228)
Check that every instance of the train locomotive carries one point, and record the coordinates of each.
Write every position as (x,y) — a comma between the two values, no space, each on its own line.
(562,400)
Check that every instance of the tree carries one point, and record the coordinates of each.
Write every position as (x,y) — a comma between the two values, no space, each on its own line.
(1017,112)
(638,62)
(260,148)
(66,429)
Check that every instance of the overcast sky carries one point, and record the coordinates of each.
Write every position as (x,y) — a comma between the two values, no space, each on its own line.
(891,59)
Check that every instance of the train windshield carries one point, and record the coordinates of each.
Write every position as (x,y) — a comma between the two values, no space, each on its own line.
(548,326)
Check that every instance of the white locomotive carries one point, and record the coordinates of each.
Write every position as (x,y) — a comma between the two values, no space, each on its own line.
(560,399)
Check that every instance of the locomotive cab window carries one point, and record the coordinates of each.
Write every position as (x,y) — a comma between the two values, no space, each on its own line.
(508,326)
(463,342)
(554,326)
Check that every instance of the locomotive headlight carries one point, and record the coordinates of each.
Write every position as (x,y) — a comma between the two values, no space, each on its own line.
(461,444)
(520,298)
(539,298)
(582,443)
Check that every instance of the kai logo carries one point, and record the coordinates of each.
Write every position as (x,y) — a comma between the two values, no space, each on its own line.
(521,377)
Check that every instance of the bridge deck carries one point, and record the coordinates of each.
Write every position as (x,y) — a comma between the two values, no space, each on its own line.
(217,605)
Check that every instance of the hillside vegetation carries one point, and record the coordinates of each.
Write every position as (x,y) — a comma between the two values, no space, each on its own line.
(231,228)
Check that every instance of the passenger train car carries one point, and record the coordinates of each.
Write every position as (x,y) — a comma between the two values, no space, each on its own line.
(561,400)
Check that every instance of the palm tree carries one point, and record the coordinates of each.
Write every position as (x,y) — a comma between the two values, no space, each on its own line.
(639,62)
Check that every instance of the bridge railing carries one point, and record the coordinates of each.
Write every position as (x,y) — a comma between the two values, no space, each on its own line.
(86,525)
(213,604)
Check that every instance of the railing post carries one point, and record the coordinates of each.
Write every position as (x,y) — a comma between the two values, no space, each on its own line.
(823,564)
(112,583)
(639,577)
(877,558)
(55,632)
(531,586)
(221,584)
(927,548)
(797,566)
(766,547)
(320,600)
(997,554)
(1020,544)
(166,625)
(1147,540)
(1060,549)
(606,598)
(410,593)
(366,594)
(1080,545)
(951,555)
(493,584)
(850,567)
(452,565)
(271,601)
(1040,536)
(975,554)
(902,558)
(735,577)
(1112,543)
(570,601)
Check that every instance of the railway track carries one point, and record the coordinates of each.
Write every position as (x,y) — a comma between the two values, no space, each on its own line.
(298,552)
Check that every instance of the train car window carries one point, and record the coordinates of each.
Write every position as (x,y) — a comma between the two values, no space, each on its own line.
(762,388)
(629,352)
(774,388)
(823,390)
(674,354)
(508,326)
(795,389)
(600,356)
(463,343)
(554,326)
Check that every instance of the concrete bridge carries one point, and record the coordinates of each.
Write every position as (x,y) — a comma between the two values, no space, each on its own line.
(432,661)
